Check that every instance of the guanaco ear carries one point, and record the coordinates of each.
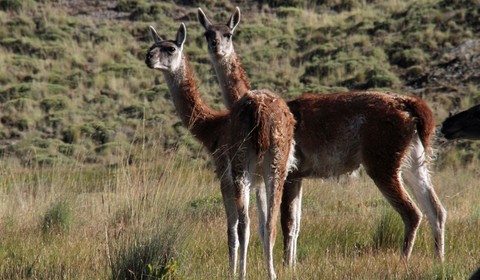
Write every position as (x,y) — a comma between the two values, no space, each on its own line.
(234,19)
(181,36)
(202,18)
(155,35)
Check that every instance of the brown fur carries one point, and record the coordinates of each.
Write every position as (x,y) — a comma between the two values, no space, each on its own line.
(256,136)
(260,106)
(424,118)
(239,83)
(205,123)
(324,123)
(336,133)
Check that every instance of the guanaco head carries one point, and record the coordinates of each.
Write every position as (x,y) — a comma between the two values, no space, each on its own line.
(219,36)
(166,55)
(464,125)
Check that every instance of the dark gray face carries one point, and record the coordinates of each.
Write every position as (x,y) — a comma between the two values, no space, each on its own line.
(219,40)
(464,125)
(166,55)
(219,36)
(162,55)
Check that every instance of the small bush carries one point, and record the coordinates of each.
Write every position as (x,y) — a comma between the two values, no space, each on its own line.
(410,57)
(415,72)
(97,131)
(22,90)
(58,217)
(289,12)
(71,135)
(66,149)
(380,79)
(44,160)
(126,5)
(147,257)
(55,103)
(133,112)
(11,5)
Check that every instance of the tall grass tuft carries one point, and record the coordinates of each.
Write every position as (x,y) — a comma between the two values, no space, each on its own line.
(57,218)
(144,256)
(389,232)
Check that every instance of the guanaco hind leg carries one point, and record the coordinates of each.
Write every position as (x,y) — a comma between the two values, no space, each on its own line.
(242,182)
(393,190)
(274,176)
(417,177)
(261,195)
(291,211)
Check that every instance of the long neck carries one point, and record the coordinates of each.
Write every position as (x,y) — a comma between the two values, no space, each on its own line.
(202,121)
(232,78)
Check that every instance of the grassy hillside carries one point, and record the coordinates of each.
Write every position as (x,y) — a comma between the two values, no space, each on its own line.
(74,86)
(99,179)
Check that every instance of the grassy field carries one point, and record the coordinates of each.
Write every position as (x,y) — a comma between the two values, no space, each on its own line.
(99,180)
(165,218)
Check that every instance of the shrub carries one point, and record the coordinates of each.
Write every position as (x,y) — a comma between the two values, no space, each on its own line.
(66,149)
(126,5)
(71,135)
(289,12)
(207,207)
(410,57)
(11,5)
(379,78)
(55,103)
(57,218)
(97,131)
(133,112)
(147,257)
(22,90)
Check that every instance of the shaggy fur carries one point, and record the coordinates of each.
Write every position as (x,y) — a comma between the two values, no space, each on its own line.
(254,138)
(336,133)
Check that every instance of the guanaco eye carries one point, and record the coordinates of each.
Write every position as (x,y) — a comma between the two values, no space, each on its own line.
(169,50)
(228,36)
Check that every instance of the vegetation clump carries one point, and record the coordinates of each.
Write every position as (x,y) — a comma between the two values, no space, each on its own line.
(57,218)
(147,258)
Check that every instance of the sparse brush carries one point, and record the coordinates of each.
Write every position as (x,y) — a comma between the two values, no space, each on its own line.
(58,217)
(144,256)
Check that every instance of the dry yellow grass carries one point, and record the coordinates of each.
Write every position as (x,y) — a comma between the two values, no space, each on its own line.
(117,207)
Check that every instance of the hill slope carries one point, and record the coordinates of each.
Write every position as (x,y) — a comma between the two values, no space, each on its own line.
(73,85)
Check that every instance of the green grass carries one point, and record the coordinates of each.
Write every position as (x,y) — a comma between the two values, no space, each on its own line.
(164,216)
